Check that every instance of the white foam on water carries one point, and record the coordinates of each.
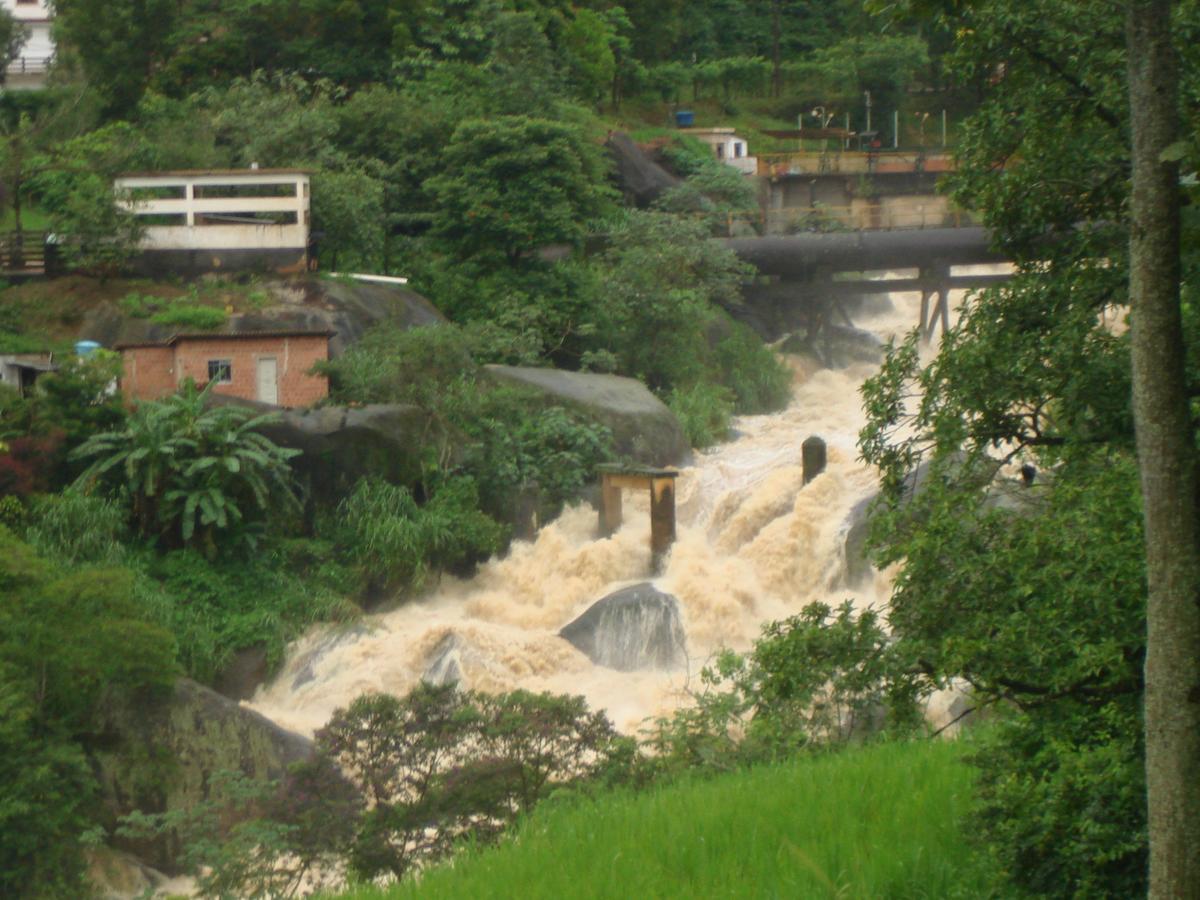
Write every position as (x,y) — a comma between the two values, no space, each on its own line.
(754,545)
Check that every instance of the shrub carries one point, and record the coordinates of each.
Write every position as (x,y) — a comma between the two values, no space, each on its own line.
(395,784)
(820,678)
(28,464)
(188,314)
(704,411)
(395,543)
(522,445)
(137,306)
(442,764)
(760,382)
(217,607)
(77,528)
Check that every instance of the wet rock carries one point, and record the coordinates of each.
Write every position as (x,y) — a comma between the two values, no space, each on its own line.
(838,346)
(637,627)
(858,566)
(162,755)
(444,665)
(304,666)
(243,673)
(643,428)
(340,444)
(114,875)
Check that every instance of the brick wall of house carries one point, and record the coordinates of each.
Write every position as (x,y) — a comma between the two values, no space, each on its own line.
(148,372)
(294,356)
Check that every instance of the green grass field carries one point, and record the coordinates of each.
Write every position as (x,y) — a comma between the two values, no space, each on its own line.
(883,821)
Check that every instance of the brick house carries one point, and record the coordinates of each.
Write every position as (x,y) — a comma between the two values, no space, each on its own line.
(270,367)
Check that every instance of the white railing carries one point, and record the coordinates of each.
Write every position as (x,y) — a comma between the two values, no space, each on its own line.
(247,209)
(29,65)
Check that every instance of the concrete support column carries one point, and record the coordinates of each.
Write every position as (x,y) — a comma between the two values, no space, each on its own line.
(662,519)
(610,507)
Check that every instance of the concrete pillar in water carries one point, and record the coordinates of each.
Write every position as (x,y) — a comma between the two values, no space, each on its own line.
(812,454)
(610,507)
(661,485)
(662,519)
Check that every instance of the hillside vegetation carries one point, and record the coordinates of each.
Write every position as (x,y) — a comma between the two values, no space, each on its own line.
(886,820)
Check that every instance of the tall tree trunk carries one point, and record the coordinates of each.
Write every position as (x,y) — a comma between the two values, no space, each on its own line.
(1167,461)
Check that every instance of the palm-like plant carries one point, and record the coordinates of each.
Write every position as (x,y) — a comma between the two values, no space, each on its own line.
(201,473)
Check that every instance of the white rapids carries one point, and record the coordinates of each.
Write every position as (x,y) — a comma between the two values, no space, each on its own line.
(754,545)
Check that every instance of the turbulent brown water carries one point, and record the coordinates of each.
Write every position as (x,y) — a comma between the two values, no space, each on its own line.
(754,545)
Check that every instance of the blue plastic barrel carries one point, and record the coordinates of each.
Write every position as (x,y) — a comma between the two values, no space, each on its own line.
(86,348)
(684,118)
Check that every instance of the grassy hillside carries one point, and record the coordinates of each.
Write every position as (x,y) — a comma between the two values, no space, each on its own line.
(879,822)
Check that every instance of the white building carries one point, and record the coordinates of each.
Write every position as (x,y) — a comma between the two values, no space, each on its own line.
(727,146)
(29,69)
(210,219)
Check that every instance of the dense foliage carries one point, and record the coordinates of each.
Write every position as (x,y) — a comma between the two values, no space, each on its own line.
(69,642)
(396,783)
(1035,597)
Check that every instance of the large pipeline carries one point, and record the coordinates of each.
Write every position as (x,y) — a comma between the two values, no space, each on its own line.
(801,255)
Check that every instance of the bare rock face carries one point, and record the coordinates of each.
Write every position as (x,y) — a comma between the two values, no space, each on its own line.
(638,176)
(643,428)
(340,444)
(637,627)
(161,755)
(347,308)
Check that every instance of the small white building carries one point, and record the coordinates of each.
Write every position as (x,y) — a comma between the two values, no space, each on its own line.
(727,147)
(29,69)
(219,219)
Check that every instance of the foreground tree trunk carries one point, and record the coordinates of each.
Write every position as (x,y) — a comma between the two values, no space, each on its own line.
(1167,461)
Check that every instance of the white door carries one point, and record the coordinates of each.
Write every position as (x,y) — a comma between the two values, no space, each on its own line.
(268,386)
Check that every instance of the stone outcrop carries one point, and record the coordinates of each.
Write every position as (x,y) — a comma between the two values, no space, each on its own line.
(637,627)
(308,303)
(161,755)
(643,428)
(639,178)
(340,444)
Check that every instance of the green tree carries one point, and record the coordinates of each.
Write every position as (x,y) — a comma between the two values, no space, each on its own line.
(12,38)
(348,213)
(1062,403)
(119,47)
(512,185)
(70,642)
(1167,457)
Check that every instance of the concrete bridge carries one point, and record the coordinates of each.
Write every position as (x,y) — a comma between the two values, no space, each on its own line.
(810,275)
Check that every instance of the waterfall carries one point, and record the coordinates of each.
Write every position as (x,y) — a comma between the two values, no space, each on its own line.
(754,545)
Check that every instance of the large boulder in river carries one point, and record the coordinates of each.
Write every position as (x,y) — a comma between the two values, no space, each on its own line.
(637,627)
(643,427)
(161,755)
(346,307)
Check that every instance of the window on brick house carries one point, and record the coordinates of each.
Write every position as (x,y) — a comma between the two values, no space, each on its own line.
(220,371)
